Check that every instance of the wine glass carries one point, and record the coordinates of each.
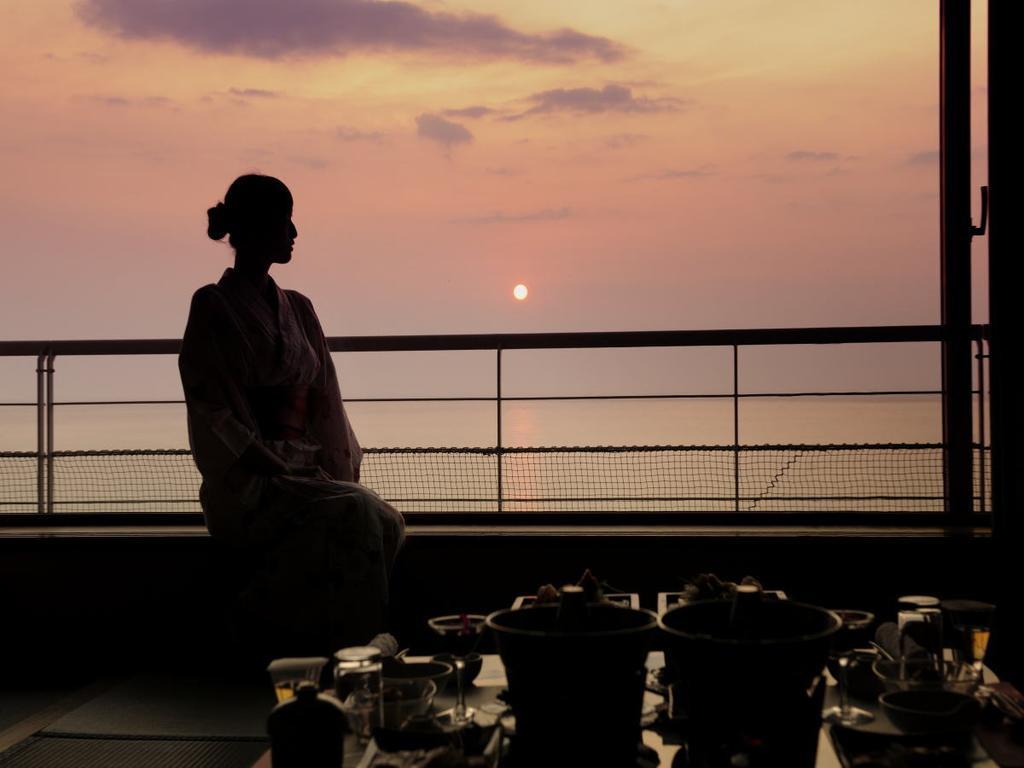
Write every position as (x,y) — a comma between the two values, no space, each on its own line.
(460,633)
(846,713)
(853,630)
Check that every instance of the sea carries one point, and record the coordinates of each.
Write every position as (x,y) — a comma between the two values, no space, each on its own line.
(642,422)
(578,421)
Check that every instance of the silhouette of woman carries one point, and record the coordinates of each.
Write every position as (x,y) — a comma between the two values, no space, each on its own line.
(279,459)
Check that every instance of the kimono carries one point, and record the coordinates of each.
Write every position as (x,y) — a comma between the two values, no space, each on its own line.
(321,544)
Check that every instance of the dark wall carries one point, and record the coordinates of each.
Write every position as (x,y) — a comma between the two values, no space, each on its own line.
(90,603)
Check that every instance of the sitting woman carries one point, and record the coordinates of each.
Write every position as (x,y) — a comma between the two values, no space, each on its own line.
(270,436)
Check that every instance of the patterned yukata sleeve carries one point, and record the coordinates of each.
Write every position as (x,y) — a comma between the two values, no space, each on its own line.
(217,435)
(329,422)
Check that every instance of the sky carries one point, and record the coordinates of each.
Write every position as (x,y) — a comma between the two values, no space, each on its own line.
(657,164)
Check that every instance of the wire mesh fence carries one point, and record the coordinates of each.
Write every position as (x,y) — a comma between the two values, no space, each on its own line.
(709,478)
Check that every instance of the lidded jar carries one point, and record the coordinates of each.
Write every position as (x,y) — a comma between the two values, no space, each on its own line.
(307,731)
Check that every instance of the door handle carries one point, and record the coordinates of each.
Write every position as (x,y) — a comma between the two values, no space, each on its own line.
(977,231)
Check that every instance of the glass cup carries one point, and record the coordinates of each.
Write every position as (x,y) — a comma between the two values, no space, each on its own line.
(974,644)
(916,602)
(971,624)
(357,684)
(921,629)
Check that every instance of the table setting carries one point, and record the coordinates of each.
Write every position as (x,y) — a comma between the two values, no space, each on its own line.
(738,677)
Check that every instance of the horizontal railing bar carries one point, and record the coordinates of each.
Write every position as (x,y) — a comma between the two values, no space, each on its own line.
(194,501)
(845,393)
(692,338)
(92,347)
(542,398)
(538,500)
(118,402)
(487,451)
(653,448)
(682,396)
(506,341)
(548,500)
(568,500)
(723,520)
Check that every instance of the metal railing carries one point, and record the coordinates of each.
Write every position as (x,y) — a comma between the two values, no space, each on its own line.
(46,353)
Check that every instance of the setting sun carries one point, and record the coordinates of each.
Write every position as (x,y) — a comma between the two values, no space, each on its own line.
(520,292)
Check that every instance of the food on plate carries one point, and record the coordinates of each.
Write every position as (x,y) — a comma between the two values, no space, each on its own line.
(707,586)
(591,587)
(547,594)
(592,590)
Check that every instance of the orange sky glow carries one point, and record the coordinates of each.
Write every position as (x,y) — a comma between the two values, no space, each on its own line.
(657,164)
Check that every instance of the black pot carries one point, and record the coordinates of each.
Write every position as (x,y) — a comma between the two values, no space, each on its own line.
(757,694)
(576,695)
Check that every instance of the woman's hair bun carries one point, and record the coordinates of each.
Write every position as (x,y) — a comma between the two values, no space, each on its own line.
(219,219)
(249,203)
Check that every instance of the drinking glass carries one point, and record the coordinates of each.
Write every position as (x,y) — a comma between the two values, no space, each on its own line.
(974,642)
(460,634)
(357,684)
(924,628)
(972,626)
(846,713)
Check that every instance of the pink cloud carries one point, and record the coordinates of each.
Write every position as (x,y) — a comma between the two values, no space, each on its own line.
(444,132)
(611,98)
(810,155)
(272,29)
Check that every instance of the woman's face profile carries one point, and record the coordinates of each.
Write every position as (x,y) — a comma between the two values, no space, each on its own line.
(273,239)
(281,240)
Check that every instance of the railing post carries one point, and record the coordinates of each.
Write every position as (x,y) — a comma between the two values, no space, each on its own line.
(41,432)
(1006,318)
(501,492)
(49,431)
(956,230)
(981,425)
(736,423)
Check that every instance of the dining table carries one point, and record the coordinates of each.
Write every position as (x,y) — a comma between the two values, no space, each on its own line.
(483,696)
(483,693)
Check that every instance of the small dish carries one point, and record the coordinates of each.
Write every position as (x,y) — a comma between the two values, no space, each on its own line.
(396,670)
(921,674)
(931,711)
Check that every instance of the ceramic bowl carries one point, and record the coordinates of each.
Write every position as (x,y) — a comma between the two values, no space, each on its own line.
(921,675)
(397,670)
(931,711)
